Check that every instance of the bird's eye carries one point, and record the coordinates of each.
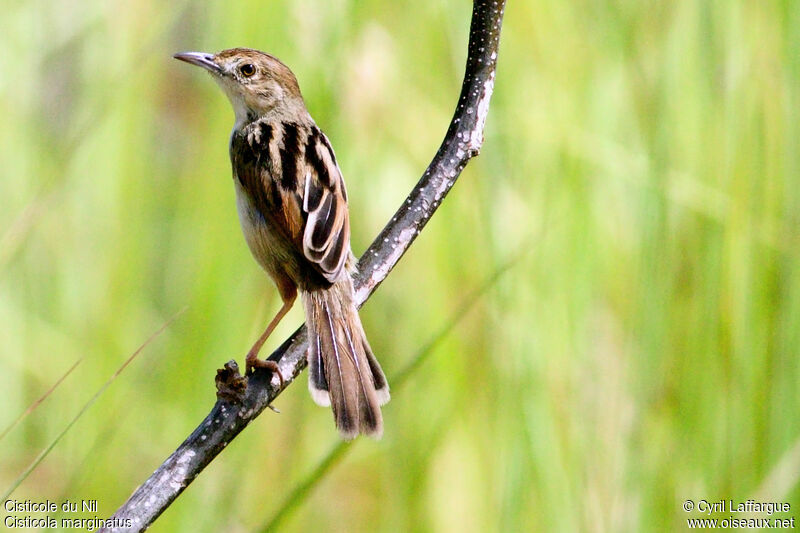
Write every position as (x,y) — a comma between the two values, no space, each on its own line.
(247,70)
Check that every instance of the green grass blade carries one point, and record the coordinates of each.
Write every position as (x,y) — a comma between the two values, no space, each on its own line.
(25,473)
(38,402)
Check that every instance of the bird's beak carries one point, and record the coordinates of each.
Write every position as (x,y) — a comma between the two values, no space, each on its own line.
(200,59)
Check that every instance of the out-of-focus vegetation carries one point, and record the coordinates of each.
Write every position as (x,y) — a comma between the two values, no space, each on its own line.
(641,159)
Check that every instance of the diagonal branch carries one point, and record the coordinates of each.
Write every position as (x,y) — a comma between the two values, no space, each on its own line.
(227,419)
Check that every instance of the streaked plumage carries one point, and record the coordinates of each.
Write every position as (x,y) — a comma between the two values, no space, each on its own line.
(292,206)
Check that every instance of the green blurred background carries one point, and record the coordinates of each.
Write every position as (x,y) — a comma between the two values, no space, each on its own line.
(641,172)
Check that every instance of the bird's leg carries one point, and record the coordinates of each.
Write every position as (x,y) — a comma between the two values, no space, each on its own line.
(252,360)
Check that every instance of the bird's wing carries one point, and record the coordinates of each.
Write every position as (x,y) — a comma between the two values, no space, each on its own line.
(291,175)
(326,237)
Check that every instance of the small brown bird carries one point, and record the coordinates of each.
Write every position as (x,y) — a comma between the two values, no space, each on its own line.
(292,206)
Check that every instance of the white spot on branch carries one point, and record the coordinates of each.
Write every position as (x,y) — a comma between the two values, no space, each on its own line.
(476,135)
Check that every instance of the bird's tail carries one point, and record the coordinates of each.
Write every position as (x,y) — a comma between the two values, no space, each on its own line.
(343,372)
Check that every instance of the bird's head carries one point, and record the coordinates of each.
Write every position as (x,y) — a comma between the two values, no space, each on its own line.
(257,84)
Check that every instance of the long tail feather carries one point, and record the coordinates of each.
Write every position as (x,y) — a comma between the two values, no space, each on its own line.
(343,372)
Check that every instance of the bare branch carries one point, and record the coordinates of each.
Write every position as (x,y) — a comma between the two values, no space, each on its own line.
(462,142)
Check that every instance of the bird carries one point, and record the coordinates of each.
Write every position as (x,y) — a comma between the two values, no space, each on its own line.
(292,206)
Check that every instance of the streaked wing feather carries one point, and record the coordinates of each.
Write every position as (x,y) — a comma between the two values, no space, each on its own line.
(326,240)
(290,172)
(253,156)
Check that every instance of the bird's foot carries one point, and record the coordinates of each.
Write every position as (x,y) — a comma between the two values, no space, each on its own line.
(252,362)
